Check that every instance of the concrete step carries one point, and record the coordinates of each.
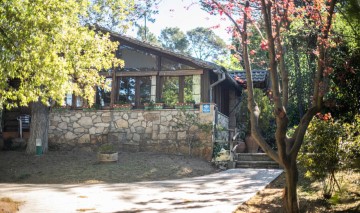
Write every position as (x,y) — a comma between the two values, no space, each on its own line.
(256,164)
(252,157)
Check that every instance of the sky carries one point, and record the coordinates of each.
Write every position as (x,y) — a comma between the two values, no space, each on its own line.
(174,13)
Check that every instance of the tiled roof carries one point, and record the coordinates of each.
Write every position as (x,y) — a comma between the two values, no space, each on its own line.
(258,76)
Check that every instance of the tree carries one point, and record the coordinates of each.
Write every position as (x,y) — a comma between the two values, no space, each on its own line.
(277,17)
(47,50)
(172,38)
(111,14)
(144,35)
(204,44)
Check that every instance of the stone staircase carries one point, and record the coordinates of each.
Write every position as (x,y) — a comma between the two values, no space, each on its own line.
(254,160)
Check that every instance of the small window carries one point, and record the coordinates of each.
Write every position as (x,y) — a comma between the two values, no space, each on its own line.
(145,89)
(188,89)
(104,94)
(126,90)
(170,90)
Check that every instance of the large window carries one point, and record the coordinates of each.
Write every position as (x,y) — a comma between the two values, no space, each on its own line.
(137,60)
(134,90)
(177,89)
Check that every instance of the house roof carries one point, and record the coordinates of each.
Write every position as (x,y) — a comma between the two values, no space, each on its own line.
(258,76)
(156,48)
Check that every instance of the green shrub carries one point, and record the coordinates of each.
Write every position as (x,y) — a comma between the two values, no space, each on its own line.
(350,145)
(266,119)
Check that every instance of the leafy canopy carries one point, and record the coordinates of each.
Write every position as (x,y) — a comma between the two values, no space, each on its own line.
(48,52)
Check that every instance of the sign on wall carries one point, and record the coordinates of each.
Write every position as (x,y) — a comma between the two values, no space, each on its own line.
(206,108)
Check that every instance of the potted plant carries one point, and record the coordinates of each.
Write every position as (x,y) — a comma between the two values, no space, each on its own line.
(151,105)
(107,153)
(60,108)
(122,106)
(186,105)
(88,108)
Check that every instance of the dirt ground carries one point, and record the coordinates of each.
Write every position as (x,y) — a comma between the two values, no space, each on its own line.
(82,167)
(269,200)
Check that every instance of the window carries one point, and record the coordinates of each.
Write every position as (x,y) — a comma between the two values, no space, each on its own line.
(103,95)
(177,89)
(137,60)
(134,90)
(126,90)
(170,90)
(145,89)
(167,64)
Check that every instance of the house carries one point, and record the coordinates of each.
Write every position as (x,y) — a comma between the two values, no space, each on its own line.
(151,75)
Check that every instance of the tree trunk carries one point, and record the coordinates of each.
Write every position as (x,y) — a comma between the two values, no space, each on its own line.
(39,127)
(291,204)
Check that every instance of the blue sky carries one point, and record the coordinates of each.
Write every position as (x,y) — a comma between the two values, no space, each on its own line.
(174,13)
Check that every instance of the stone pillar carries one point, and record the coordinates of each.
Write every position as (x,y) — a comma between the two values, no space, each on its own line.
(196,90)
(153,89)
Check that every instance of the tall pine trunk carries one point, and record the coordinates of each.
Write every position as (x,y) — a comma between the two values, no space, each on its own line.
(39,127)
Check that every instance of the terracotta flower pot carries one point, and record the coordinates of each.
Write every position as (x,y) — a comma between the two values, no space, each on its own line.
(251,145)
(107,157)
(240,147)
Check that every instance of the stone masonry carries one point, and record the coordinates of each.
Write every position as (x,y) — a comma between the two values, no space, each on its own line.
(132,130)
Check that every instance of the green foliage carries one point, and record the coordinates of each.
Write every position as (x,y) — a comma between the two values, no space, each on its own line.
(49,52)
(172,38)
(144,34)
(189,121)
(170,94)
(205,44)
(111,14)
(329,147)
(350,145)
(107,148)
(319,154)
(266,119)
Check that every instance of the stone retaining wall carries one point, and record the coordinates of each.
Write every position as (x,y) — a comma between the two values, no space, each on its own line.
(133,130)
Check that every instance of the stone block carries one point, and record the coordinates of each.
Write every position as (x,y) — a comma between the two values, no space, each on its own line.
(85,121)
(62,125)
(136,137)
(122,124)
(106,119)
(162,136)
(163,129)
(152,117)
(65,119)
(79,130)
(84,139)
(97,120)
(99,130)
(181,135)
(70,136)
(140,129)
(102,125)
(105,114)
(76,125)
(92,131)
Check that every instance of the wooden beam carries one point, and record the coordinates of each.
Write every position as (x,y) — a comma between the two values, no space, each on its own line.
(181,72)
(131,73)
